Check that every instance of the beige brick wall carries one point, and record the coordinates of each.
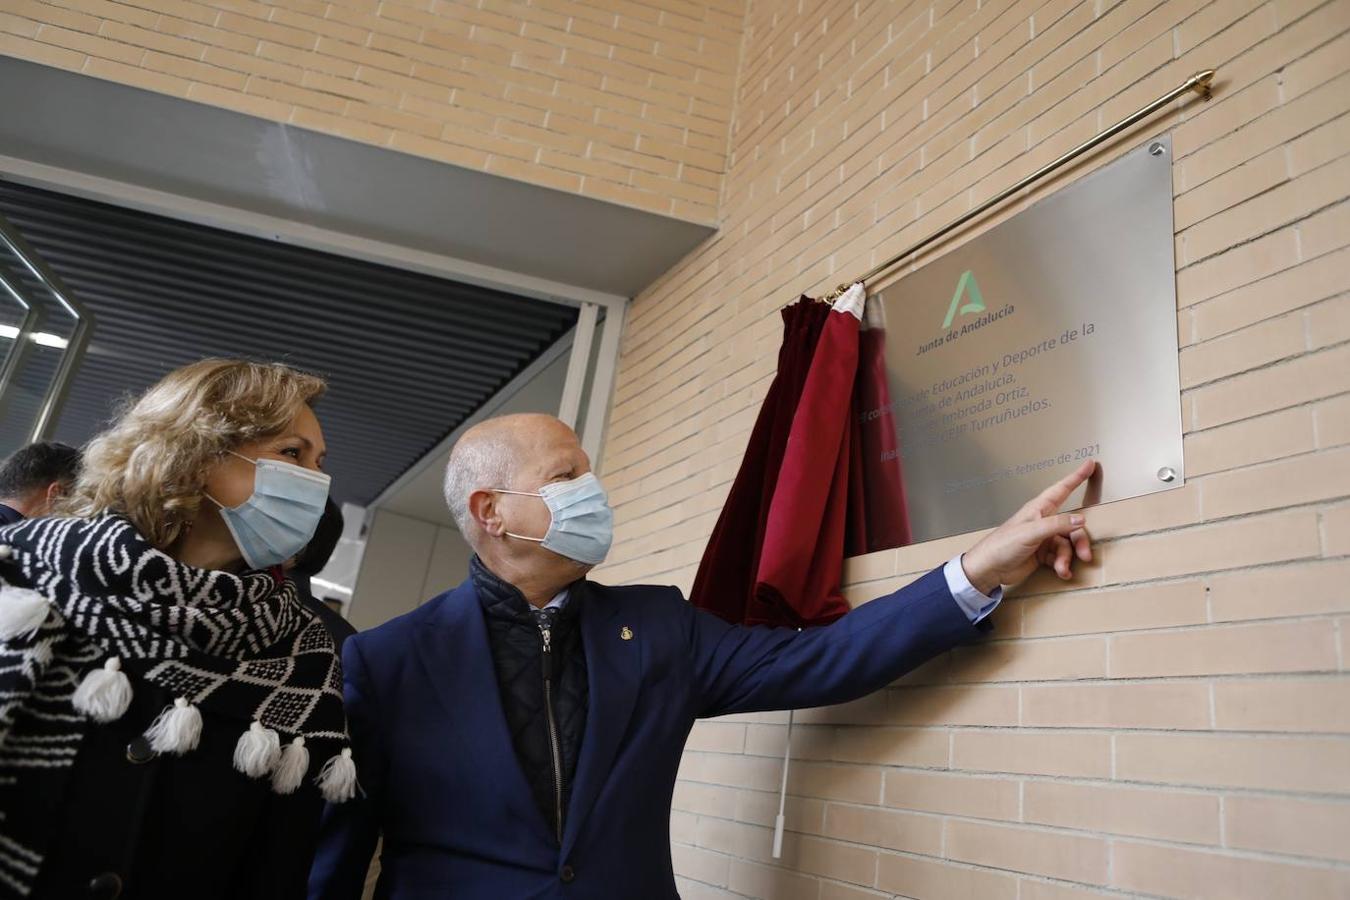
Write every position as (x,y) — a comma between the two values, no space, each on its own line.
(623,100)
(1177,721)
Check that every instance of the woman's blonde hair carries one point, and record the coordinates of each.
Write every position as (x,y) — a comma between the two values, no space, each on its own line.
(151,464)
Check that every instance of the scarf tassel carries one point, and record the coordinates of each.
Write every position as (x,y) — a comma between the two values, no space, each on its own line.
(104,693)
(258,750)
(22,612)
(337,778)
(291,767)
(177,730)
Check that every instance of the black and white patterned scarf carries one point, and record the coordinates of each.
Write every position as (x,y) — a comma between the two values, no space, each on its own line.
(88,608)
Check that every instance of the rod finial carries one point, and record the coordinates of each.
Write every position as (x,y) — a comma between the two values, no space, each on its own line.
(1201,83)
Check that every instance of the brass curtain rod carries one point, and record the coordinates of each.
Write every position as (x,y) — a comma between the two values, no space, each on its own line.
(1199,83)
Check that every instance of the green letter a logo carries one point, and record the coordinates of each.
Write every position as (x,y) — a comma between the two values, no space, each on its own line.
(965,285)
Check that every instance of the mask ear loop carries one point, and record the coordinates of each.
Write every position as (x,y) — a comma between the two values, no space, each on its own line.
(208,496)
(521,537)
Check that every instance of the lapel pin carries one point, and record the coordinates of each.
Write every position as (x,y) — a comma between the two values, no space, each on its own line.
(626,633)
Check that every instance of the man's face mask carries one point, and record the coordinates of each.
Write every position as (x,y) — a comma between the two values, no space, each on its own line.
(281,515)
(582,526)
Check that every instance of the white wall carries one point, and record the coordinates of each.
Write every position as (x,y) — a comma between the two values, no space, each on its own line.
(449,563)
(393,569)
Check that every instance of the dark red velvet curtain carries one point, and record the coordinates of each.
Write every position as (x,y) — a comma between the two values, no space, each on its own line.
(878,511)
(821,478)
(802,561)
(726,578)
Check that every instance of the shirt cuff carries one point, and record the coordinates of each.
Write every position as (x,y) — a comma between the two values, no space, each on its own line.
(974,604)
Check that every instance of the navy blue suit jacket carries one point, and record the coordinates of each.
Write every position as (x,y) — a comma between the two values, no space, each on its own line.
(441,776)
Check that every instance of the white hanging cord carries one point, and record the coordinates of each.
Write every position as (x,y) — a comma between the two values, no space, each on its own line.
(782,792)
(782,795)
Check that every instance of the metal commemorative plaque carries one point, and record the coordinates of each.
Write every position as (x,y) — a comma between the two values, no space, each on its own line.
(1001,366)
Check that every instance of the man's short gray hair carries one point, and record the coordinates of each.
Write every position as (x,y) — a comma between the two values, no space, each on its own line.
(484,461)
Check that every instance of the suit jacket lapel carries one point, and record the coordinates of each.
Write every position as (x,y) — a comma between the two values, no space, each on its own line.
(614,668)
(458,663)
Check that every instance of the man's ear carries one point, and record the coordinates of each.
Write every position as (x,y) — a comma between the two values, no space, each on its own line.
(55,491)
(483,510)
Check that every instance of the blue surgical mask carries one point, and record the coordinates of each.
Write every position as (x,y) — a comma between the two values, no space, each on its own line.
(583,524)
(281,515)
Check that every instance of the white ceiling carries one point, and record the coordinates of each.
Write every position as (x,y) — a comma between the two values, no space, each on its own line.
(190,150)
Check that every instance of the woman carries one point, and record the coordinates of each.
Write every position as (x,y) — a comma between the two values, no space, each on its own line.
(170,715)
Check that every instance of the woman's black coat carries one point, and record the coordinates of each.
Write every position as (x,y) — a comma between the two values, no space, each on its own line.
(137,826)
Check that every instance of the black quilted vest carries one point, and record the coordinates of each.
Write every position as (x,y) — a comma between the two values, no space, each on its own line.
(515,634)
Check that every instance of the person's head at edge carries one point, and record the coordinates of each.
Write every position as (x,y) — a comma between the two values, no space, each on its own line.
(35,477)
(521,453)
(188,448)
(319,550)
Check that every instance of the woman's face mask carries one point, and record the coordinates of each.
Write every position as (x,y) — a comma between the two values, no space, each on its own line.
(582,526)
(281,515)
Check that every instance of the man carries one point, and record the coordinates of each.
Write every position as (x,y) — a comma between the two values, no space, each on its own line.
(34,478)
(519,735)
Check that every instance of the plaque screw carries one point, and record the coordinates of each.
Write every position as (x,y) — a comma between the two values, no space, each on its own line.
(1156,148)
(1167,473)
